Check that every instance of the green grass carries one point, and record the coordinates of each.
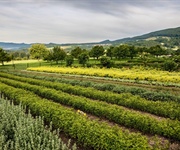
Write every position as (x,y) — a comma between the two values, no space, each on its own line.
(24,64)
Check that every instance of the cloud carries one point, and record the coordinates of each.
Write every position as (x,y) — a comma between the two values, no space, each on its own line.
(65,21)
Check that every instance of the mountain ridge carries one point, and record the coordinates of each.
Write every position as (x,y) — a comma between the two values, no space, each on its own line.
(169,37)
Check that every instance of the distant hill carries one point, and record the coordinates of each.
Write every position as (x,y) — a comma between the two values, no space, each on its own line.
(13,46)
(168,38)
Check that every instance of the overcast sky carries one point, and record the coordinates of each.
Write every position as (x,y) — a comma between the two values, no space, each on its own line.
(71,21)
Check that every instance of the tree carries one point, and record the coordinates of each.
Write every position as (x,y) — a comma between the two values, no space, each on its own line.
(58,54)
(69,60)
(141,50)
(4,56)
(144,58)
(97,51)
(49,56)
(121,51)
(109,52)
(124,51)
(170,65)
(38,51)
(132,52)
(177,52)
(83,58)
(105,62)
(157,50)
(76,52)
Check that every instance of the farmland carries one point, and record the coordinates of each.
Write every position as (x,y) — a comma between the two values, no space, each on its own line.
(14,123)
(130,114)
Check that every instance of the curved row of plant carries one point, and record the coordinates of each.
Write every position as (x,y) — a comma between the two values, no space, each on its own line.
(144,93)
(165,109)
(19,131)
(143,122)
(132,74)
(90,133)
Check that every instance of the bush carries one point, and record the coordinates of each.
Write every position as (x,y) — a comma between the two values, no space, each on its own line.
(170,66)
(69,60)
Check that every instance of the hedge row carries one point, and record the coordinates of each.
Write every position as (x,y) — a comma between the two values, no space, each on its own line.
(91,133)
(165,109)
(145,123)
(144,93)
(19,131)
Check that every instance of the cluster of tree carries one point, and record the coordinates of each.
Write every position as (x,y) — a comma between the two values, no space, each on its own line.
(56,54)
(20,55)
(39,51)
(4,56)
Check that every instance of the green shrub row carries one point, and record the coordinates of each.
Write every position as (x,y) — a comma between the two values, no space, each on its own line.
(145,123)
(19,131)
(165,109)
(92,134)
(144,93)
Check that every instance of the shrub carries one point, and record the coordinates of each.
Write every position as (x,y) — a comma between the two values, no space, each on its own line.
(106,62)
(170,66)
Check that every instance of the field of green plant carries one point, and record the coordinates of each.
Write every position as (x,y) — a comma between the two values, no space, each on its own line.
(100,115)
(21,131)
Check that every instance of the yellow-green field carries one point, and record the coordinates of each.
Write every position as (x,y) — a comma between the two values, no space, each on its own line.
(132,74)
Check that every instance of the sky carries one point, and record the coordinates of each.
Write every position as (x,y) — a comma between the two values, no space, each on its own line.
(79,21)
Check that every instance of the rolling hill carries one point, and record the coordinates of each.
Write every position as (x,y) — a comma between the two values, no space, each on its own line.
(168,38)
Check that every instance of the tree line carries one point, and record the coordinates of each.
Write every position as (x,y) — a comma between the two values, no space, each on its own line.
(98,52)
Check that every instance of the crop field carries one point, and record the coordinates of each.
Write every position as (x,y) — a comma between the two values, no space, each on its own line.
(102,109)
(15,123)
(130,74)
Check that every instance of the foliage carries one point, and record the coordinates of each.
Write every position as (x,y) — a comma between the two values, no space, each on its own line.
(157,50)
(177,52)
(132,52)
(83,58)
(20,55)
(105,62)
(121,51)
(49,56)
(170,66)
(120,115)
(116,88)
(109,52)
(69,60)
(76,52)
(38,51)
(83,129)
(4,56)
(58,54)
(97,51)
(136,74)
(19,131)
(165,109)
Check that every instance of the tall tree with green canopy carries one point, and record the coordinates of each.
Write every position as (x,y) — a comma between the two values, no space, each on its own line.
(97,51)
(83,58)
(157,50)
(38,51)
(76,52)
(4,56)
(121,51)
(69,60)
(58,54)
(109,52)
(132,52)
